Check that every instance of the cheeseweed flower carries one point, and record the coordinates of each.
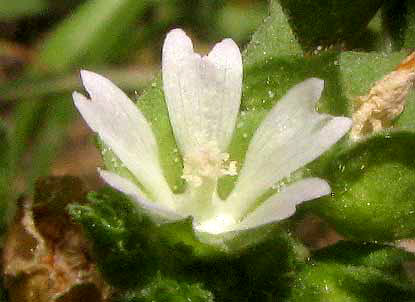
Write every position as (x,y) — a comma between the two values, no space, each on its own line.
(203,97)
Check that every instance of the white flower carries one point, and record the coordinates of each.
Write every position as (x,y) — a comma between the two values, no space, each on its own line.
(203,98)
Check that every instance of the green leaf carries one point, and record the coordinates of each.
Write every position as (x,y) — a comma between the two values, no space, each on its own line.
(359,71)
(97,32)
(129,248)
(11,10)
(167,290)
(386,258)
(122,239)
(323,22)
(322,281)
(372,188)
(371,180)
(350,271)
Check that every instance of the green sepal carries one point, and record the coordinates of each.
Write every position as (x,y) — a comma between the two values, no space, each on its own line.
(153,106)
(274,37)
(162,289)
(354,272)
(266,82)
(323,23)
(372,188)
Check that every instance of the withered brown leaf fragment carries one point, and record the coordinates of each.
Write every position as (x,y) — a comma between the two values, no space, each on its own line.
(46,256)
(385,101)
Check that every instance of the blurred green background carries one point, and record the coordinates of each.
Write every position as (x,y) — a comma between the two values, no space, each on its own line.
(44,44)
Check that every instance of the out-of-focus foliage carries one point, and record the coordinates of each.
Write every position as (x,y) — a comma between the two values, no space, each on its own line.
(17,9)
(99,31)
(5,207)
(325,22)
(401,30)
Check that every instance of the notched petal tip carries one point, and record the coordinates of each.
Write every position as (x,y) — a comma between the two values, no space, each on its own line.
(224,47)
(78,97)
(87,75)
(86,109)
(226,54)
(177,43)
(95,83)
(313,87)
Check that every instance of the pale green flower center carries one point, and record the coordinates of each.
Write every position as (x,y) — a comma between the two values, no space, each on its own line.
(207,163)
(202,169)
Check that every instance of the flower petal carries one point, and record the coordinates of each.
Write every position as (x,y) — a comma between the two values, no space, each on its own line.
(282,204)
(124,129)
(156,212)
(202,93)
(292,135)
